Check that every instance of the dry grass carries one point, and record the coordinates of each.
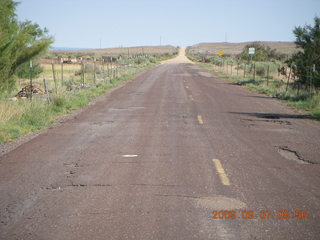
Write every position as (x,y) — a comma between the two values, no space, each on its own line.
(9,110)
(236,48)
(150,50)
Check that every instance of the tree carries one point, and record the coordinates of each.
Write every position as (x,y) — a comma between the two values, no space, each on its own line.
(262,53)
(307,60)
(19,43)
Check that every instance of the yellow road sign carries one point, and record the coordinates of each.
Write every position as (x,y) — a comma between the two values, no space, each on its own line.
(220,53)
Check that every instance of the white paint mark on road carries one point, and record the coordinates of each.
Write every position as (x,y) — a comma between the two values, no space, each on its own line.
(200,120)
(130,156)
(223,176)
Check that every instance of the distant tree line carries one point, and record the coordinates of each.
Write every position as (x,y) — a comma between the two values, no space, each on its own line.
(20,42)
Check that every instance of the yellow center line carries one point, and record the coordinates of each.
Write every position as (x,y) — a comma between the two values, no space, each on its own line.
(223,176)
(200,119)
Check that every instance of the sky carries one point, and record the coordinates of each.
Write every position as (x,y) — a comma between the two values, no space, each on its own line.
(125,23)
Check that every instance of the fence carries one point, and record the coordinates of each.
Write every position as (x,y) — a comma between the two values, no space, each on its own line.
(67,77)
(266,71)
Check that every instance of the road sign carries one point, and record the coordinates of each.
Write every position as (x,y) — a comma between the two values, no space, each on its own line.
(251,51)
(220,53)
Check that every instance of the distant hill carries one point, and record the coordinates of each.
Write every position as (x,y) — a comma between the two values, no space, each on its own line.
(113,51)
(66,49)
(235,48)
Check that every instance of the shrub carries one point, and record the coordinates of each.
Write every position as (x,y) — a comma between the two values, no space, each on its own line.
(88,68)
(260,70)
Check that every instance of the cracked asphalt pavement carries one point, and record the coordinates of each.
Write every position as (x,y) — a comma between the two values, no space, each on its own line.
(176,153)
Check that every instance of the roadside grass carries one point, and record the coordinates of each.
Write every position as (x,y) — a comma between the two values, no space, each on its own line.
(23,116)
(301,99)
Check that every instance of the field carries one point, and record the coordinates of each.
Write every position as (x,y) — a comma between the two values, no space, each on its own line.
(142,50)
(232,49)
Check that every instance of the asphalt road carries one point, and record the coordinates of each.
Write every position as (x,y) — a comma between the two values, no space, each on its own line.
(176,153)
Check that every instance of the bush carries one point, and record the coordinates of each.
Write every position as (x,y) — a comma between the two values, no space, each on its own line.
(88,68)
(260,70)
(70,84)
(152,60)
(59,101)
(23,71)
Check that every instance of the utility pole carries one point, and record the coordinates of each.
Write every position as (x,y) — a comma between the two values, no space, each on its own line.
(160,40)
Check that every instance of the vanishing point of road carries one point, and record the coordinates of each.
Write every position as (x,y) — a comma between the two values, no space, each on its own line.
(175,153)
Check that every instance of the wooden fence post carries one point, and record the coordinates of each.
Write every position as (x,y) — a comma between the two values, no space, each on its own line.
(103,68)
(54,78)
(31,87)
(288,78)
(268,75)
(82,68)
(46,90)
(108,66)
(237,68)
(94,71)
(61,73)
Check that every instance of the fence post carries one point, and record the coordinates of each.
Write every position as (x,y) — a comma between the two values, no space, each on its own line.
(94,70)
(268,75)
(310,78)
(231,68)
(237,68)
(82,68)
(31,87)
(104,74)
(46,90)
(109,75)
(254,71)
(61,72)
(244,70)
(288,78)
(54,78)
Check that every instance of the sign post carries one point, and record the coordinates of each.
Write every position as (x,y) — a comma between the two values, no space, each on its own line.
(251,53)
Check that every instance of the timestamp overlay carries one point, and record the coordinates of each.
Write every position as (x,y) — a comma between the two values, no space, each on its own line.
(248,214)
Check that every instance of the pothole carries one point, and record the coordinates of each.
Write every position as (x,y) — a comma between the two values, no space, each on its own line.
(281,122)
(181,116)
(290,154)
(102,123)
(219,203)
(73,165)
